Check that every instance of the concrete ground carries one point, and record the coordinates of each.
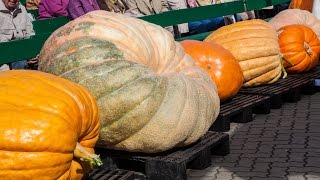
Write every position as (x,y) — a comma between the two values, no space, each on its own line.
(284,144)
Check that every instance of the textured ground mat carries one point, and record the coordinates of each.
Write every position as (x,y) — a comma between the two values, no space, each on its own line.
(172,164)
(240,109)
(288,89)
(105,173)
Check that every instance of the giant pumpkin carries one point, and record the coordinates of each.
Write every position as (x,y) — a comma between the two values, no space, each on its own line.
(296,16)
(300,46)
(219,63)
(47,125)
(151,95)
(301,4)
(254,43)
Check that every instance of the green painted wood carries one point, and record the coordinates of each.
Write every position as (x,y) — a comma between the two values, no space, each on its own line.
(198,37)
(23,2)
(275,2)
(22,49)
(193,14)
(257,4)
(49,25)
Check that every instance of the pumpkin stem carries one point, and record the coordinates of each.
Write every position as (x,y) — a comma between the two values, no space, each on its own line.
(84,155)
(307,48)
(284,72)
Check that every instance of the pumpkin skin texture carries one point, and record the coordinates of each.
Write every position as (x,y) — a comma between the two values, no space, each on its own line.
(219,63)
(301,4)
(42,119)
(254,43)
(300,46)
(296,16)
(151,95)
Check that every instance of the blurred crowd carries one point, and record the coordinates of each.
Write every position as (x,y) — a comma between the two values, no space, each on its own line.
(16,22)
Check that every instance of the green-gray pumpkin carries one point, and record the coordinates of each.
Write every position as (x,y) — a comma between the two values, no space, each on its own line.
(151,95)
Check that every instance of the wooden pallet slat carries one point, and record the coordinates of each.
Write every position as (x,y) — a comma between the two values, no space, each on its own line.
(240,109)
(106,173)
(171,164)
(286,90)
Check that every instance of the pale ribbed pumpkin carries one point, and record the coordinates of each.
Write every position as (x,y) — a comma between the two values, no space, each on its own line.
(254,43)
(219,63)
(296,16)
(300,46)
(151,95)
(46,124)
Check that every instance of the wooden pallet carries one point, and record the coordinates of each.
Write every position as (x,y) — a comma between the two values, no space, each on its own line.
(174,163)
(286,90)
(240,109)
(105,173)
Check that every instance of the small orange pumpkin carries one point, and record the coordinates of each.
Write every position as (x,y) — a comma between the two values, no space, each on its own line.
(301,4)
(300,48)
(219,63)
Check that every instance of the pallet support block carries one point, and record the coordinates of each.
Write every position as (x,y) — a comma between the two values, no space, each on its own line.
(159,170)
(222,149)
(276,102)
(309,89)
(244,117)
(263,108)
(202,161)
(293,95)
(222,124)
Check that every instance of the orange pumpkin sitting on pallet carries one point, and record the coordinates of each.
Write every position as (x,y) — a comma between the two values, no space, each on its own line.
(254,43)
(300,48)
(47,126)
(219,63)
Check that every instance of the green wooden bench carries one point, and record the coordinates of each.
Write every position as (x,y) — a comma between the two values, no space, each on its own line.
(29,48)
(49,25)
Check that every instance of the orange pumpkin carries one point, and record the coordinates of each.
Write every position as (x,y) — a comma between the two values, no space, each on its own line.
(300,46)
(254,43)
(46,125)
(219,63)
(301,4)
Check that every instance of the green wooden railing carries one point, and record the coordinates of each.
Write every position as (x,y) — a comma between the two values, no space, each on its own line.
(49,25)
(28,48)
(188,15)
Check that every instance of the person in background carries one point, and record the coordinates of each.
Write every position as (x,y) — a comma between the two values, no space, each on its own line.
(52,8)
(15,24)
(116,6)
(32,4)
(138,8)
(176,5)
(205,25)
(77,8)
(240,16)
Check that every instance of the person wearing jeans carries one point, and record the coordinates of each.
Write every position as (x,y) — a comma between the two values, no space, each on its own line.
(206,25)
